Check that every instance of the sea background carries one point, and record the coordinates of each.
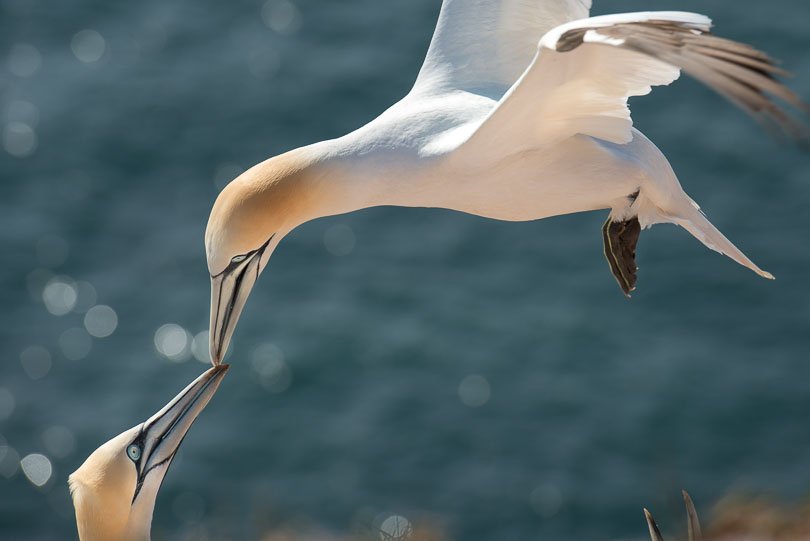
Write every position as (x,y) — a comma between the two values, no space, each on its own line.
(485,380)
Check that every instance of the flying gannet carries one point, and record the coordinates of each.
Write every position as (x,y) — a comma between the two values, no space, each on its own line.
(114,490)
(518,113)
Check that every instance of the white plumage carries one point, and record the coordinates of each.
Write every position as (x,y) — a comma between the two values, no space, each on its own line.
(484,45)
(518,113)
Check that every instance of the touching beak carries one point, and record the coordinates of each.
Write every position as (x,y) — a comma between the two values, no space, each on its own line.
(164,431)
(229,292)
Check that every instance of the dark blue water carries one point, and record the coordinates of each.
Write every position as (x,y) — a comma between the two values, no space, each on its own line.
(351,397)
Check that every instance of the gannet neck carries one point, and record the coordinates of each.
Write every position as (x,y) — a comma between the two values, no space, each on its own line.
(94,521)
(102,502)
(306,183)
(265,200)
(277,195)
(102,491)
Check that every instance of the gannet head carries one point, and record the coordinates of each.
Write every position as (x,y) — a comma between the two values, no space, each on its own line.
(249,218)
(114,491)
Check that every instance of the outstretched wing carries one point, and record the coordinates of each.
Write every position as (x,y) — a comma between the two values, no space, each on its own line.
(584,72)
(483,46)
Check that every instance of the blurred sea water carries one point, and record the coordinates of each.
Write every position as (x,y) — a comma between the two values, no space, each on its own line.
(484,380)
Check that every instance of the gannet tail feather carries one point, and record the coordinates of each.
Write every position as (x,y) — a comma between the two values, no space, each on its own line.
(691,218)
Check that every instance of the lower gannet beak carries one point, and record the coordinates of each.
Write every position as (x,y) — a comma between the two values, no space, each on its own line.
(229,293)
(163,433)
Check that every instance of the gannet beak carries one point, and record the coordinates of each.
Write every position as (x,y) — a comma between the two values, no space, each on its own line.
(229,292)
(162,434)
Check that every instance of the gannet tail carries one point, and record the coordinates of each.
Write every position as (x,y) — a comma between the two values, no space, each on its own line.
(659,199)
(691,218)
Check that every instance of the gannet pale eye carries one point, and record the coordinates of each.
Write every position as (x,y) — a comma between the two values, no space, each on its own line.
(114,499)
(134,452)
(238,259)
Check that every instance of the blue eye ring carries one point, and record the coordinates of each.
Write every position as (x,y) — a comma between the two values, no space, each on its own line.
(134,452)
(238,258)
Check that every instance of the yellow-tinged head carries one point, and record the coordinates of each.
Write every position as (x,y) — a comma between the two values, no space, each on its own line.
(114,491)
(249,218)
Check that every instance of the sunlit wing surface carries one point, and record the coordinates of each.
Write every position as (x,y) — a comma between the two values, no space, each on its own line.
(483,46)
(585,71)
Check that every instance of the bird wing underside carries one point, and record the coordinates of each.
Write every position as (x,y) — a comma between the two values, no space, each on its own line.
(483,46)
(585,71)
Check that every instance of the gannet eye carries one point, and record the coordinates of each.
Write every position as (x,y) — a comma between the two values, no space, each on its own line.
(134,452)
(238,259)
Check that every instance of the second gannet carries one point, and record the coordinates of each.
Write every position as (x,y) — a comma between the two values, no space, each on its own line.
(114,491)
(518,113)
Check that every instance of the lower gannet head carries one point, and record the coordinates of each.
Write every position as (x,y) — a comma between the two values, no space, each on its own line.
(114,490)
(249,218)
